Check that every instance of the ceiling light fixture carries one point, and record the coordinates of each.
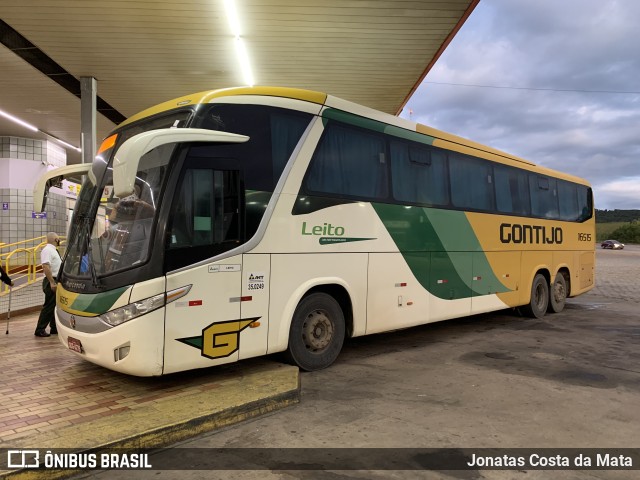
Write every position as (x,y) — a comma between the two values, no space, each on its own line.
(243,58)
(18,121)
(241,49)
(35,129)
(63,142)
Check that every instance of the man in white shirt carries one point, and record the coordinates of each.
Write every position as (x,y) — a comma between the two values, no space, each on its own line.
(50,259)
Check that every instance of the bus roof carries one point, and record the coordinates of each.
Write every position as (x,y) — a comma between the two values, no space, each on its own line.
(443,139)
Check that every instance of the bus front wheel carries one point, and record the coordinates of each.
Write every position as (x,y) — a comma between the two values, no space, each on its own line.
(558,294)
(539,297)
(317,332)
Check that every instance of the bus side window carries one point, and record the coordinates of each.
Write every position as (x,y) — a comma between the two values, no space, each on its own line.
(349,162)
(544,196)
(471,182)
(418,173)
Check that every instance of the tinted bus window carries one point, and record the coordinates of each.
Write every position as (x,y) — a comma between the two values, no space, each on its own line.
(349,162)
(273,134)
(570,208)
(512,190)
(419,174)
(544,196)
(471,182)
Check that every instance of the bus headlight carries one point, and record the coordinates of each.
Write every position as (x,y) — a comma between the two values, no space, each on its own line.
(133,310)
(142,307)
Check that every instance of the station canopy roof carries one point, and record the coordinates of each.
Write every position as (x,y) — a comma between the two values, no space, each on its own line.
(144,52)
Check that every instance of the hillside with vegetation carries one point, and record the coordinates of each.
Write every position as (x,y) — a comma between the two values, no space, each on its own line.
(621,225)
(609,216)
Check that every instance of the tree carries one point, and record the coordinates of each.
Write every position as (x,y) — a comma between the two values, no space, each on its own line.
(629,233)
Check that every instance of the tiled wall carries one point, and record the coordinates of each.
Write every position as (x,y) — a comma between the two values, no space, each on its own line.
(36,150)
(17,221)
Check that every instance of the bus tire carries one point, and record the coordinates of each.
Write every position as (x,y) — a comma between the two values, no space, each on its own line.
(317,332)
(539,297)
(558,294)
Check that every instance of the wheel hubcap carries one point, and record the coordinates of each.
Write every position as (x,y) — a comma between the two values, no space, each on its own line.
(317,331)
(558,292)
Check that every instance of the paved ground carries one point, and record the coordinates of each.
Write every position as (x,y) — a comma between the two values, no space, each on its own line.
(495,380)
(53,399)
(618,274)
(571,380)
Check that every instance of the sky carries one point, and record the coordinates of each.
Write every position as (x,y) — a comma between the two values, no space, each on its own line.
(573,102)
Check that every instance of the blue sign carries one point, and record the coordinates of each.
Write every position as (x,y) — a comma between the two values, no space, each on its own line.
(5,206)
(39,215)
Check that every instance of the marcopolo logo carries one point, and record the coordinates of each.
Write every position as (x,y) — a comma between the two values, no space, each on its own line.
(516,233)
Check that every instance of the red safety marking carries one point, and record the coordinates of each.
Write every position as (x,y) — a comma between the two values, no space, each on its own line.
(195,303)
(403,284)
(246,299)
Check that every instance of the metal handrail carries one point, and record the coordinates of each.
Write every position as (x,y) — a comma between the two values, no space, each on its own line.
(28,269)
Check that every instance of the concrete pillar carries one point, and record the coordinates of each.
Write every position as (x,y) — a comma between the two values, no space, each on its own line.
(88,87)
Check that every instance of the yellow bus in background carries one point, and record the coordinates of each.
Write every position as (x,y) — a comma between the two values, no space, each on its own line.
(248,221)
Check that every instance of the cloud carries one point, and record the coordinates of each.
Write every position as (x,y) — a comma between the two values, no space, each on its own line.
(624,193)
(544,48)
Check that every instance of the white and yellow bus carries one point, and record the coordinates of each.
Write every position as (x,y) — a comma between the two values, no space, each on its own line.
(235,223)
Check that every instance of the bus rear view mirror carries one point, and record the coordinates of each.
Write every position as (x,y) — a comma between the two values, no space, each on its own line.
(54,178)
(127,157)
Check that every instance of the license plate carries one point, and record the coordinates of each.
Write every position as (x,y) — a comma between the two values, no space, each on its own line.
(74,344)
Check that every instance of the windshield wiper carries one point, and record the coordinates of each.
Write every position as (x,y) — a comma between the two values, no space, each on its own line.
(89,253)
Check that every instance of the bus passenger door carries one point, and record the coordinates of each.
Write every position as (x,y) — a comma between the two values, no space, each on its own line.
(203,327)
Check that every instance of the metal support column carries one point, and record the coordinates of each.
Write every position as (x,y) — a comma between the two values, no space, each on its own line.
(88,87)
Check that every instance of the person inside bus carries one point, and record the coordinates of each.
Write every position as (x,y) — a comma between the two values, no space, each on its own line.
(50,259)
(5,278)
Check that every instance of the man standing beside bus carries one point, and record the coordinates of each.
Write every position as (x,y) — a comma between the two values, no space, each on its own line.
(50,259)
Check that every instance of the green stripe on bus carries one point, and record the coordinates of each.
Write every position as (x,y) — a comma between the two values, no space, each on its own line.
(374,125)
(439,247)
(98,303)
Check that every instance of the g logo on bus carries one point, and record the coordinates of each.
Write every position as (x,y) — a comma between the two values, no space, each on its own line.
(72,321)
(220,339)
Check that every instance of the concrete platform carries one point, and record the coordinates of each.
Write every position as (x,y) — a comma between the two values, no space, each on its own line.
(49,398)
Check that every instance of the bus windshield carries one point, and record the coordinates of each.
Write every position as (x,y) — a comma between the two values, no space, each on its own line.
(111,234)
(117,234)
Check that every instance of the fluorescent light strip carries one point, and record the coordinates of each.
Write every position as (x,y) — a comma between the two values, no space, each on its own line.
(241,50)
(243,58)
(35,129)
(18,121)
(232,16)
(62,142)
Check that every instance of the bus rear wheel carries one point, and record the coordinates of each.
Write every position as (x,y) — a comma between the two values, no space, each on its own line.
(317,332)
(539,297)
(558,294)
